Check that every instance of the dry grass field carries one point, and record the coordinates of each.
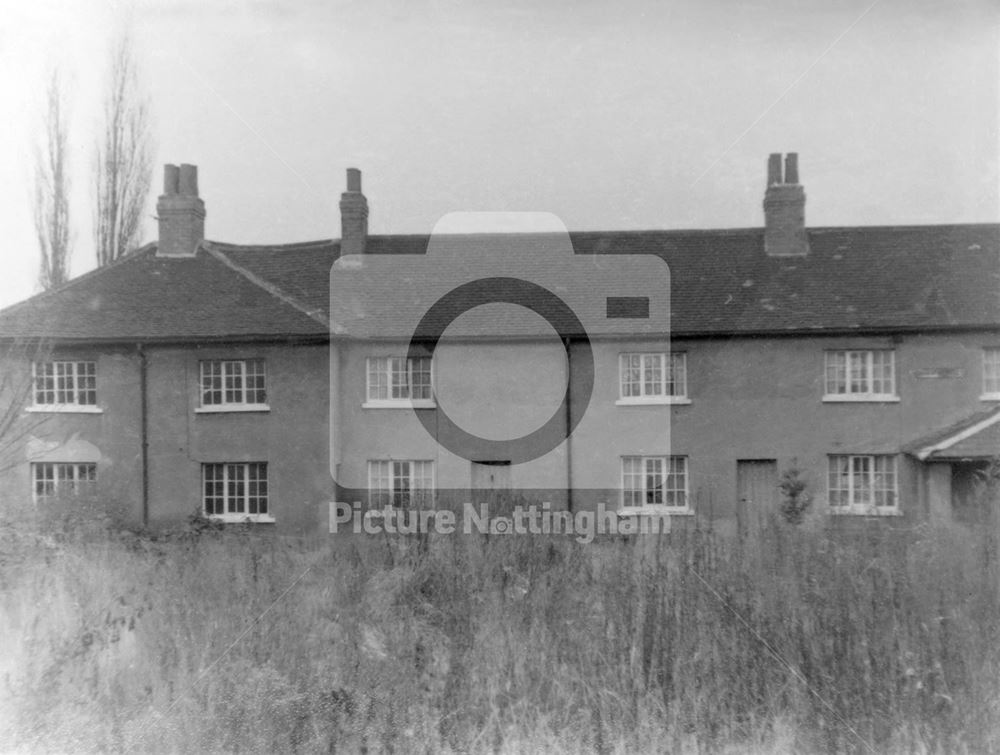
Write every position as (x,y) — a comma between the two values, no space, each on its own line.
(207,641)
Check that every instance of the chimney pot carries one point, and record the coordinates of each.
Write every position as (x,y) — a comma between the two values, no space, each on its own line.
(188,183)
(353,179)
(180,213)
(792,168)
(774,169)
(170,178)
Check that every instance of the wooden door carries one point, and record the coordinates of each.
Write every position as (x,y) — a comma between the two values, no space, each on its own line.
(757,494)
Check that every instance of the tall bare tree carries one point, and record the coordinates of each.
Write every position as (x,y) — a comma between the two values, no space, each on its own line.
(124,159)
(51,200)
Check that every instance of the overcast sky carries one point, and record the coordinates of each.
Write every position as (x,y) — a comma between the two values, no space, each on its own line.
(629,115)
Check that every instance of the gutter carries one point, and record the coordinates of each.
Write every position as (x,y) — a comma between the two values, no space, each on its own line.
(327,337)
(569,424)
(144,431)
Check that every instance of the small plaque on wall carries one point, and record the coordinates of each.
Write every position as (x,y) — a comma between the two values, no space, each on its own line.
(938,373)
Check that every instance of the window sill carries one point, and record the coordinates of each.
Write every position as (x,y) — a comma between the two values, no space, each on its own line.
(863,512)
(990,397)
(242,518)
(232,408)
(422,403)
(625,511)
(64,409)
(654,401)
(860,399)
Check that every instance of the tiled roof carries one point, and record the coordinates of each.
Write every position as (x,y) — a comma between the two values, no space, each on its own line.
(143,296)
(386,296)
(975,437)
(983,445)
(854,279)
(300,270)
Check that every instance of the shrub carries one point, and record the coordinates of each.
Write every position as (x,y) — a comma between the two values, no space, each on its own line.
(795,498)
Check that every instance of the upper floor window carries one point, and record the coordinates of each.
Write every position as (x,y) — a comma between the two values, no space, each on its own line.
(64,386)
(656,378)
(863,484)
(233,384)
(235,491)
(991,373)
(655,481)
(860,375)
(399,381)
(62,479)
(400,483)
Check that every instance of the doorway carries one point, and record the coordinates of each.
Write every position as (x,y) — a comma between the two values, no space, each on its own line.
(491,475)
(757,493)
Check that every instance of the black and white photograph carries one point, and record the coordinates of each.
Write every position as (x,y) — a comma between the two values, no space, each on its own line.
(453,376)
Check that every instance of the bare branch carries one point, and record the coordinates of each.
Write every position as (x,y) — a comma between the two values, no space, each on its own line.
(16,388)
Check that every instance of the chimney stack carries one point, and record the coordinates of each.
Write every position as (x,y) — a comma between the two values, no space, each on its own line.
(784,209)
(181,212)
(353,216)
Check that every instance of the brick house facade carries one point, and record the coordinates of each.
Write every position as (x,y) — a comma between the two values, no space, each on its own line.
(197,376)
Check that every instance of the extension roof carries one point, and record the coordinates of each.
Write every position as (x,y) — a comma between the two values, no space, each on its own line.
(975,437)
(863,279)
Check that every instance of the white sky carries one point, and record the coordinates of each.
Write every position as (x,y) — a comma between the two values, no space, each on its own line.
(632,115)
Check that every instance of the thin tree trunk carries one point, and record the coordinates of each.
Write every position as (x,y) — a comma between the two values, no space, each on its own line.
(123,170)
(51,185)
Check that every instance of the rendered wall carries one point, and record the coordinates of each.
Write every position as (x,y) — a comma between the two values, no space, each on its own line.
(750,399)
(758,398)
(292,437)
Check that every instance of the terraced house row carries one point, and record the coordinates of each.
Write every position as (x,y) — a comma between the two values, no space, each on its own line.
(262,382)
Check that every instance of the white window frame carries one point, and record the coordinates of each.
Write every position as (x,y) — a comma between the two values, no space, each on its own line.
(645,506)
(385,475)
(866,359)
(385,367)
(658,391)
(75,374)
(79,476)
(236,504)
(238,371)
(864,481)
(991,374)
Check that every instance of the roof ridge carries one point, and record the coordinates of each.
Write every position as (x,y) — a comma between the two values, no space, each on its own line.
(736,230)
(907,227)
(270,247)
(270,288)
(47,293)
(226,246)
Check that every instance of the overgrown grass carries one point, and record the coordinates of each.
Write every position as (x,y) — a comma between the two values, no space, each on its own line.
(239,642)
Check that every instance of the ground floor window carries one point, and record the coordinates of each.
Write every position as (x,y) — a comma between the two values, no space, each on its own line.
(52,479)
(863,484)
(235,490)
(655,481)
(400,483)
